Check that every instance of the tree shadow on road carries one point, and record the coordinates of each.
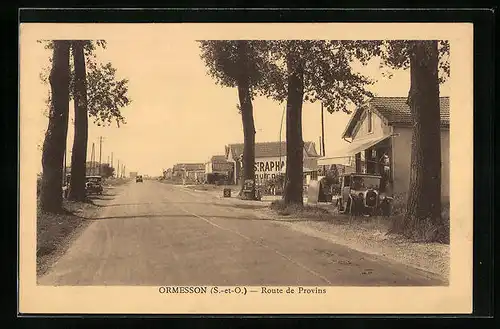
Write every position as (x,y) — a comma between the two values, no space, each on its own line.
(153,203)
(242,206)
(163,216)
(166,216)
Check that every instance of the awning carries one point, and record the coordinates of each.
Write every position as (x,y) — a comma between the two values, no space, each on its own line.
(358,146)
(304,170)
(334,160)
(343,157)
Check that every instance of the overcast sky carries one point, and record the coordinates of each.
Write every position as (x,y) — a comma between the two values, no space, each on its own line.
(178,113)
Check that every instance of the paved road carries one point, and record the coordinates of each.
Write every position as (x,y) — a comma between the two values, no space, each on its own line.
(158,234)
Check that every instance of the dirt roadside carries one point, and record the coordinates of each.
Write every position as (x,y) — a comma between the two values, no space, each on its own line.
(56,232)
(370,236)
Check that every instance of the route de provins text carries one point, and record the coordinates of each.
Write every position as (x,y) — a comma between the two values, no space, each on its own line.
(293,290)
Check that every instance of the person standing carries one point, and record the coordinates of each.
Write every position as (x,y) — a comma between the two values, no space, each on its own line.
(386,164)
(386,171)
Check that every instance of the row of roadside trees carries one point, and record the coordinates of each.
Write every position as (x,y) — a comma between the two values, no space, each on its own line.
(297,71)
(76,74)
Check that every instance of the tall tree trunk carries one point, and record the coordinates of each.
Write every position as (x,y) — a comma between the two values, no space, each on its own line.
(293,193)
(424,199)
(55,137)
(246,117)
(79,154)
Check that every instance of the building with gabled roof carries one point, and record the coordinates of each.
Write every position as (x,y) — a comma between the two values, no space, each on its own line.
(218,168)
(270,159)
(269,149)
(193,171)
(383,125)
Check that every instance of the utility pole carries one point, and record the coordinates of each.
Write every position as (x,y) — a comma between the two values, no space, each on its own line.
(124,173)
(100,154)
(280,166)
(111,159)
(322,130)
(64,167)
(281,131)
(118,168)
(92,156)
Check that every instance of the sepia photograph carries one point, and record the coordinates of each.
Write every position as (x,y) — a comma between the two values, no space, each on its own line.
(241,167)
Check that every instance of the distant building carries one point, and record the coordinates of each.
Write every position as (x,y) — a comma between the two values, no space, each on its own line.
(192,171)
(167,174)
(270,159)
(219,166)
(384,126)
(133,174)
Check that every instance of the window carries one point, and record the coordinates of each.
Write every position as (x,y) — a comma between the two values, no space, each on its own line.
(369,119)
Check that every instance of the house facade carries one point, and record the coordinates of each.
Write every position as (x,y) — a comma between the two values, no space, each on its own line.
(218,164)
(190,171)
(270,160)
(167,174)
(383,127)
(218,168)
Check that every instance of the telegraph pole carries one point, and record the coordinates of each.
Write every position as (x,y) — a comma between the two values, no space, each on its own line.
(118,168)
(322,130)
(100,154)
(280,174)
(111,159)
(64,167)
(281,131)
(92,156)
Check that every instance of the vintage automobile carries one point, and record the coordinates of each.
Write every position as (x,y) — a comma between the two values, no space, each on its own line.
(361,194)
(273,186)
(138,179)
(65,186)
(250,184)
(94,185)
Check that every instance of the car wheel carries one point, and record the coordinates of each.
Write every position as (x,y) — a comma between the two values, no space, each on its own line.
(368,212)
(386,209)
(338,205)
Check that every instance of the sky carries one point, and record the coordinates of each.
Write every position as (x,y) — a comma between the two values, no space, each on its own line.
(178,113)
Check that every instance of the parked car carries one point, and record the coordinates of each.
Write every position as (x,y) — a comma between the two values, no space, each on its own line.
(360,194)
(273,186)
(65,186)
(138,179)
(93,185)
(250,184)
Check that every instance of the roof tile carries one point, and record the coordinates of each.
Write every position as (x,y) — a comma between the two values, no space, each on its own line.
(396,110)
(271,149)
(189,166)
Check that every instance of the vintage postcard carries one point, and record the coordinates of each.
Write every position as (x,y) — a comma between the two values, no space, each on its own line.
(246,168)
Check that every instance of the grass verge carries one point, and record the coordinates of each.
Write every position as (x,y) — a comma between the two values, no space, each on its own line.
(366,234)
(297,210)
(56,231)
(426,230)
(116,181)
